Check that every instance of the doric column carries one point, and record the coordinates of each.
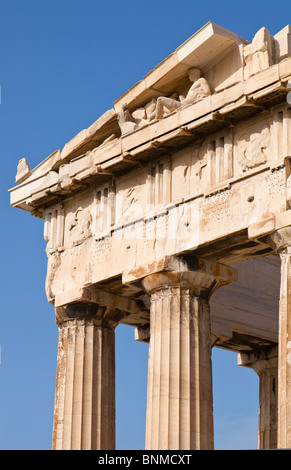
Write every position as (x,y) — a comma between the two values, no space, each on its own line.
(281,242)
(84,416)
(265,364)
(179,401)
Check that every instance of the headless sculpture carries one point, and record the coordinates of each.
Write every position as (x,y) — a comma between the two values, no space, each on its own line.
(199,89)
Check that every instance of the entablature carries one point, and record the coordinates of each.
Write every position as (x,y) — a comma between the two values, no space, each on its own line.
(136,148)
(240,87)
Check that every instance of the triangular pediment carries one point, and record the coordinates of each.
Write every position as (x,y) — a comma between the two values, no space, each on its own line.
(203,49)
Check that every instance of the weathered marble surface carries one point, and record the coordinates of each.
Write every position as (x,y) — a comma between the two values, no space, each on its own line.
(190,168)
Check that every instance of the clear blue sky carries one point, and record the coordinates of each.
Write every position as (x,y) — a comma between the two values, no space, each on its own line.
(62,65)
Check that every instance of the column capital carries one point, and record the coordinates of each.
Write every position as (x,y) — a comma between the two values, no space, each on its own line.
(96,304)
(201,277)
(259,362)
(97,315)
(280,240)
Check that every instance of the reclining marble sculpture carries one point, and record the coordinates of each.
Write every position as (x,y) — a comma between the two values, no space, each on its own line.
(125,120)
(163,105)
(199,89)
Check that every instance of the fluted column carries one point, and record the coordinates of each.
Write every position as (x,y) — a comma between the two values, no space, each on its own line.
(84,416)
(179,400)
(265,364)
(280,240)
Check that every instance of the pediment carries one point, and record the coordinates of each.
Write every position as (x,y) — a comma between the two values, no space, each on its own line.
(204,48)
(241,81)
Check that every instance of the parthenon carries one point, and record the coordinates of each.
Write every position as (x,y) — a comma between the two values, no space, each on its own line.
(171,214)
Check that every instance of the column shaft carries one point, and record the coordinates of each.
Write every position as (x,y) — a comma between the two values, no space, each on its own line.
(84,417)
(179,402)
(265,364)
(268,409)
(284,358)
(280,240)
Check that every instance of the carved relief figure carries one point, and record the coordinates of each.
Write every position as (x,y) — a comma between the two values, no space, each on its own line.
(86,225)
(150,109)
(125,120)
(258,54)
(139,117)
(254,150)
(131,205)
(80,226)
(200,158)
(199,89)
